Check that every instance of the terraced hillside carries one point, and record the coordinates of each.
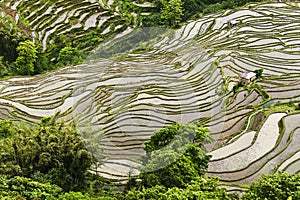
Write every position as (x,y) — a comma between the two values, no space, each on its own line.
(76,20)
(182,76)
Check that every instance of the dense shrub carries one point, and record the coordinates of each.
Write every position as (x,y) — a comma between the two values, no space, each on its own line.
(48,150)
(275,186)
(175,156)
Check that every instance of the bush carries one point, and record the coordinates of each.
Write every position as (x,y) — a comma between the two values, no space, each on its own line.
(27,55)
(69,56)
(175,156)
(198,189)
(258,72)
(48,151)
(25,188)
(275,186)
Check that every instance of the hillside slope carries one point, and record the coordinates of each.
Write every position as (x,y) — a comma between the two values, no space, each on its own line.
(184,75)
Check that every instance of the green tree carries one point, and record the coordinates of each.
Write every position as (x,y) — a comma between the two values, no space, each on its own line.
(69,56)
(6,128)
(73,196)
(43,62)
(25,188)
(171,12)
(258,72)
(192,7)
(199,188)
(26,58)
(7,162)
(10,37)
(161,138)
(279,186)
(156,192)
(3,69)
(19,188)
(54,151)
(175,156)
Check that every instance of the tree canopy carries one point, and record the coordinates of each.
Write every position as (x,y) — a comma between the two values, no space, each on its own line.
(175,156)
(21,188)
(275,186)
(68,56)
(10,37)
(171,12)
(48,149)
(27,55)
(199,188)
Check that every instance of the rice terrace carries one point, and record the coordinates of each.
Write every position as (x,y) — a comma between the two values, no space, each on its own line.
(234,71)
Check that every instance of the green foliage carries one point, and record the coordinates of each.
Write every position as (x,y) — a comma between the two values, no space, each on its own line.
(24,188)
(156,192)
(276,187)
(171,12)
(26,58)
(99,186)
(199,188)
(212,6)
(3,69)
(69,56)
(125,8)
(73,196)
(55,150)
(10,37)
(90,40)
(42,63)
(236,87)
(80,196)
(161,138)
(6,129)
(49,153)
(17,188)
(175,156)
(258,72)
(191,8)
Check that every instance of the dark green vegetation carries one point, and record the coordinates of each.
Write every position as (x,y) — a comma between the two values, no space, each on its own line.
(196,189)
(46,161)
(174,166)
(24,63)
(48,150)
(175,156)
(10,37)
(20,56)
(21,188)
(276,186)
(173,12)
